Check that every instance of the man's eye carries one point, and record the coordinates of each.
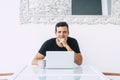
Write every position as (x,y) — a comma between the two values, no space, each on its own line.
(59,32)
(64,32)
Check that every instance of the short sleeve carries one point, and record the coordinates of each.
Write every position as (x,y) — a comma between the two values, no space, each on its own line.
(74,44)
(44,48)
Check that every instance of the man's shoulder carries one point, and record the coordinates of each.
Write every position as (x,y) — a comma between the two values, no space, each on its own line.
(71,38)
(51,40)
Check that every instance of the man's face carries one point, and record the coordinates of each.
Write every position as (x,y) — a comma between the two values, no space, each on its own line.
(62,32)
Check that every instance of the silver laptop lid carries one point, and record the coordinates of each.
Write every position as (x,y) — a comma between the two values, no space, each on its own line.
(59,59)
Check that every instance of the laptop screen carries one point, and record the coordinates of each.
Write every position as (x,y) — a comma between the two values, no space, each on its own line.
(59,59)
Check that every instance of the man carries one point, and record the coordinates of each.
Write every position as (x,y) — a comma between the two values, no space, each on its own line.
(61,43)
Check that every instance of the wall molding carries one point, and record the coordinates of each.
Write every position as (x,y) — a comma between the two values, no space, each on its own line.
(47,12)
(6,74)
(111,74)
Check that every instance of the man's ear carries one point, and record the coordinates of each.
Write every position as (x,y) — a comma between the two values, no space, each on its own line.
(55,33)
(68,33)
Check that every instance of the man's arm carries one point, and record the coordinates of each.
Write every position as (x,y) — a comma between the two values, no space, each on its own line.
(77,56)
(37,57)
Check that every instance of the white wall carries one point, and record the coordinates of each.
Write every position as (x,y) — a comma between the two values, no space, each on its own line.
(100,44)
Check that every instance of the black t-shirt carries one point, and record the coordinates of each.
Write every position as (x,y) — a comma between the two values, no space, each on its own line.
(51,45)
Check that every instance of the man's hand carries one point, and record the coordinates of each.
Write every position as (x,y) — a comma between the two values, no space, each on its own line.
(63,41)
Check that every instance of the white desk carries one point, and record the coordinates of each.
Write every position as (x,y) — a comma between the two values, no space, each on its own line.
(79,73)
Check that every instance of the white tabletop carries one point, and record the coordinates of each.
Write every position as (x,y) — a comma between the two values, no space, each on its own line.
(78,73)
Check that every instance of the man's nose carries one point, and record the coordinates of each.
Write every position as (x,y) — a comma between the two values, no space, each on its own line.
(61,33)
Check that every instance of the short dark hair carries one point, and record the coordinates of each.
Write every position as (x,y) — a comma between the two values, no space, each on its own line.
(61,24)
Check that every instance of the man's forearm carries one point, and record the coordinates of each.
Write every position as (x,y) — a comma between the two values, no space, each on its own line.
(77,56)
(68,48)
(37,58)
(35,62)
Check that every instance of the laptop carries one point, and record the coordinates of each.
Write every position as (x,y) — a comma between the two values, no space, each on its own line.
(59,59)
